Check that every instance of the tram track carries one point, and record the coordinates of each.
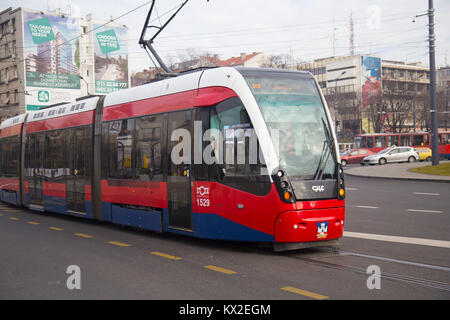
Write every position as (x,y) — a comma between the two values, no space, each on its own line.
(359,270)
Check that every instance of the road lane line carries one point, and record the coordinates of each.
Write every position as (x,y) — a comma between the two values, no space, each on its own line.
(427,194)
(14,218)
(424,211)
(219,269)
(305,293)
(366,207)
(165,255)
(56,228)
(352,189)
(397,239)
(119,244)
(87,236)
(33,223)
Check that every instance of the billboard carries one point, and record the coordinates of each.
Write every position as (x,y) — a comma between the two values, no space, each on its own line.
(52,58)
(371,87)
(111,58)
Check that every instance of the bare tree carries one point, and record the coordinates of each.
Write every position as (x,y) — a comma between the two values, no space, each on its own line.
(398,107)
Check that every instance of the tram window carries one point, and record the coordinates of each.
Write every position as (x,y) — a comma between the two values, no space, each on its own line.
(148,147)
(88,150)
(363,142)
(54,161)
(380,142)
(418,140)
(121,146)
(392,141)
(106,159)
(444,138)
(369,142)
(405,140)
(239,154)
(10,155)
(426,140)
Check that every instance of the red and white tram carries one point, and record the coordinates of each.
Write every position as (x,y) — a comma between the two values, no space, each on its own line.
(220,153)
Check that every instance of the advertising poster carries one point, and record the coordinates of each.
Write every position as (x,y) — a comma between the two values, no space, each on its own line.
(111,58)
(371,87)
(371,80)
(51,58)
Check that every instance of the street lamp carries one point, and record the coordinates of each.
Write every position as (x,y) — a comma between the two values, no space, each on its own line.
(87,84)
(335,102)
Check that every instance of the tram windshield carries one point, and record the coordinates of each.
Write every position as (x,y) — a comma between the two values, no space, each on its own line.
(295,115)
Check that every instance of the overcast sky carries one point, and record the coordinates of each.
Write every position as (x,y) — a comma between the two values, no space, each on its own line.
(301,28)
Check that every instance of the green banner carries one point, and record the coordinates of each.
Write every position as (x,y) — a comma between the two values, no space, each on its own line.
(52,80)
(107,41)
(41,30)
(107,86)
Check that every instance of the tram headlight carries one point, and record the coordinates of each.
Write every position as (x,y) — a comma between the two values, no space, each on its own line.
(284,184)
(287,196)
(280,173)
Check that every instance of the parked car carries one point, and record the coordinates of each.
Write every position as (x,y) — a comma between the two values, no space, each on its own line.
(393,154)
(424,154)
(355,156)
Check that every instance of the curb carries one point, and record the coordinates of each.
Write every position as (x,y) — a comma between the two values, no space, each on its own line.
(396,178)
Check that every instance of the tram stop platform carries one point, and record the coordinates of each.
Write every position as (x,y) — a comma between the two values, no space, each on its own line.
(395,171)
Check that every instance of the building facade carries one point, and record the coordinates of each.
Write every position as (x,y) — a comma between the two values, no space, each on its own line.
(51,57)
(367,94)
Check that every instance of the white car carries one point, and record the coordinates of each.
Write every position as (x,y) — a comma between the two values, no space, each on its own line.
(392,154)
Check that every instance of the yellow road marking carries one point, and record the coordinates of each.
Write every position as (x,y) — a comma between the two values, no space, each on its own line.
(56,228)
(219,269)
(165,255)
(87,236)
(14,218)
(33,223)
(305,293)
(120,244)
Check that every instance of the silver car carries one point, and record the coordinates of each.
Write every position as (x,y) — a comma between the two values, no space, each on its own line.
(392,154)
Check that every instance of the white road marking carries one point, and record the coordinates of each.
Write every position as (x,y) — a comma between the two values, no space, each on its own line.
(407,240)
(353,189)
(424,211)
(427,194)
(366,207)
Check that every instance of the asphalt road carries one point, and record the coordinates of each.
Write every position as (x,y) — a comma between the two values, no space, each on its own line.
(400,227)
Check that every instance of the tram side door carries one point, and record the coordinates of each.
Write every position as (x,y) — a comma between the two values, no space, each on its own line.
(178,170)
(76,170)
(36,145)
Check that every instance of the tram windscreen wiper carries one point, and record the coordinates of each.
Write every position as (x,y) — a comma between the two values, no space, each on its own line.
(326,151)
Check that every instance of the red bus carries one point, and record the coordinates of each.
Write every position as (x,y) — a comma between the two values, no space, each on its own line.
(379,141)
(217,153)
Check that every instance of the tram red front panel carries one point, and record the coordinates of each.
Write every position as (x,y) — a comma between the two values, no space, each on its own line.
(269,214)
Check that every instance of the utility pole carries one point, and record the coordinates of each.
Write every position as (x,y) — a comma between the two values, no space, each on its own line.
(433,106)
